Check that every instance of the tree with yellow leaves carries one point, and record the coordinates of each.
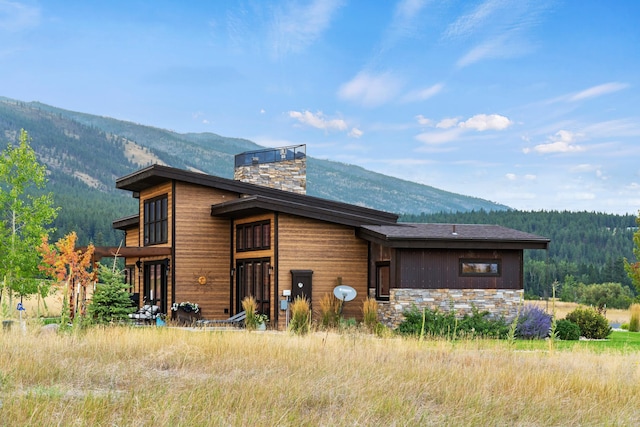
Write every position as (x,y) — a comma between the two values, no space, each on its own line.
(71,267)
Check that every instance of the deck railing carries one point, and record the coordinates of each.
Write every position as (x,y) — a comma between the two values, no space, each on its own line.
(271,155)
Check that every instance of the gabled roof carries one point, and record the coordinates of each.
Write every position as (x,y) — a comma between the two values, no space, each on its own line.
(256,198)
(452,236)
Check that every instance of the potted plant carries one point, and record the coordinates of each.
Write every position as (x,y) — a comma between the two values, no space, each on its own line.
(261,320)
(187,307)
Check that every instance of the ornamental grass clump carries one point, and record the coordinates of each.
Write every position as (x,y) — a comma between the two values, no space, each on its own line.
(533,323)
(300,322)
(370,314)
(329,311)
(250,306)
(634,323)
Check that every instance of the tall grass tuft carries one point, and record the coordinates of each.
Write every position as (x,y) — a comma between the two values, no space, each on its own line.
(329,311)
(250,306)
(300,322)
(370,314)
(634,323)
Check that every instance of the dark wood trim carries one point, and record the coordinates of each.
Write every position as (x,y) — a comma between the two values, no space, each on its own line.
(232,277)
(173,241)
(130,252)
(276,288)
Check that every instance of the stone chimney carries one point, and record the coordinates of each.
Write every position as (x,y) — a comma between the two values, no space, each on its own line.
(284,168)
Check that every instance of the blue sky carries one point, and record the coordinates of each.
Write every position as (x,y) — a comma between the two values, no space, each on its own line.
(533,104)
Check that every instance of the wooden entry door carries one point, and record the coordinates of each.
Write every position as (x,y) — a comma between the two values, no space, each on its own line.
(301,284)
(253,278)
(155,284)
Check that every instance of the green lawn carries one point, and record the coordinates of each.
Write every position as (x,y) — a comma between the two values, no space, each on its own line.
(622,341)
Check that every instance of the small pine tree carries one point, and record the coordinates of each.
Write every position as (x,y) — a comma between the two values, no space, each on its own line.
(110,302)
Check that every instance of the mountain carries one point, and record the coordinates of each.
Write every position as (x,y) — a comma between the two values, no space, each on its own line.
(85,154)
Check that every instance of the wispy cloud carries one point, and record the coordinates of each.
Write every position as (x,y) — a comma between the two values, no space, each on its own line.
(423,94)
(16,17)
(297,27)
(497,28)
(405,22)
(370,90)
(469,23)
(599,90)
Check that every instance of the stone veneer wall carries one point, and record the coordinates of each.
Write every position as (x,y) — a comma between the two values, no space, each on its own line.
(288,175)
(499,302)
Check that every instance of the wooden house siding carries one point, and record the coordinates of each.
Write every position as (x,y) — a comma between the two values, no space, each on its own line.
(440,269)
(202,249)
(330,251)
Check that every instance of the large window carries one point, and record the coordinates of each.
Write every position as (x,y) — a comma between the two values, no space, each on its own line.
(254,236)
(480,267)
(155,220)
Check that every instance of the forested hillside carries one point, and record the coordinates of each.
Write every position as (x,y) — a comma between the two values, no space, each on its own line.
(85,154)
(589,246)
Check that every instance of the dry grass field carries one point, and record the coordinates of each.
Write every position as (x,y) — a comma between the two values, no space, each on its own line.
(127,376)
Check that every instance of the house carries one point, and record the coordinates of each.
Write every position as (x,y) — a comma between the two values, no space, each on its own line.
(214,241)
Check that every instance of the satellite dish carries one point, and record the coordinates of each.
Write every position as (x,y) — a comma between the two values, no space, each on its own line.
(344,293)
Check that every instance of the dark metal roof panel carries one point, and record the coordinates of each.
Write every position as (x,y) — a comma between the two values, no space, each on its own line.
(256,204)
(126,222)
(410,235)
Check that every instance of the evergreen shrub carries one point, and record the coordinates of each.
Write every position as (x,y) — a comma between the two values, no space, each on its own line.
(567,330)
(110,302)
(593,325)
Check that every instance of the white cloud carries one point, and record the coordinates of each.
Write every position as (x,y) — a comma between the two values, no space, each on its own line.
(526,177)
(296,28)
(422,120)
(370,90)
(448,123)
(561,142)
(355,133)
(599,90)
(15,16)
(439,137)
(318,120)
(423,94)
(482,122)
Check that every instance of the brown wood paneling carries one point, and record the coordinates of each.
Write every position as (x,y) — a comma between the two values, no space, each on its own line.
(330,251)
(202,249)
(439,269)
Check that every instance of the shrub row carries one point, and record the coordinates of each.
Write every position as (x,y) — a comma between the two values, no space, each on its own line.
(532,323)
